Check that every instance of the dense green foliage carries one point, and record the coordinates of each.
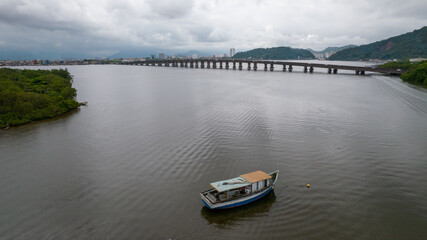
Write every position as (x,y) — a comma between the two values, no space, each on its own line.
(277,53)
(409,45)
(397,65)
(417,74)
(28,95)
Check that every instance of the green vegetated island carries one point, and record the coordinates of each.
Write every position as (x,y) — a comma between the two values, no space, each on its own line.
(30,95)
(275,53)
(409,45)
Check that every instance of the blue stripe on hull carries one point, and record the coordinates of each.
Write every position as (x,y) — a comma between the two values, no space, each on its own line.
(207,205)
(239,203)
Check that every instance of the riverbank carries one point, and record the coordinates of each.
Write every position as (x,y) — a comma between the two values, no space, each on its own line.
(31,95)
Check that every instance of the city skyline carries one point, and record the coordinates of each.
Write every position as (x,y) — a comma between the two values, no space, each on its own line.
(81,29)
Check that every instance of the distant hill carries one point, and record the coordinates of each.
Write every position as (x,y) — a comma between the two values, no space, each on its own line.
(276,53)
(331,49)
(191,52)
(148,52)
(408,45)
(135,53)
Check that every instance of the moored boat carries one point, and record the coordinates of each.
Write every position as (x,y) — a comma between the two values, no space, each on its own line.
(240,190)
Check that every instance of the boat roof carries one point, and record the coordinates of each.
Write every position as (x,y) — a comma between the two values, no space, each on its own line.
(255,176)
(225,185)
(242,181)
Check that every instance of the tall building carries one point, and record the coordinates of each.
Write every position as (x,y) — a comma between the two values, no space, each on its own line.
(232,52)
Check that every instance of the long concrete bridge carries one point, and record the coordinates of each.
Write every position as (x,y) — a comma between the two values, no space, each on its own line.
(265,64)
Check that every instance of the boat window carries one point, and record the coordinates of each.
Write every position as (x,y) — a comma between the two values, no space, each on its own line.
(261,185)
(254,187)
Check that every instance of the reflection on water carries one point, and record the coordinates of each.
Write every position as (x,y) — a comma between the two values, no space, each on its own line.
(228,217)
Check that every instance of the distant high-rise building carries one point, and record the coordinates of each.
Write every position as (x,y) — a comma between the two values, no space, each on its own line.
(232,52)
(161,55)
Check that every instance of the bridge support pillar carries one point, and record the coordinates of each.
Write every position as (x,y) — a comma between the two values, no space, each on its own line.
(249,66)
(305,69)
(311,69)
(240,66)
(227,66)
(271,67)
(284,68)
(196,64)
(234,65)
(255,66)
(290,68)
(167,64)
(329,70)
(335,71)
(220,65)
(202,64)
(265,67)
(214,64)
(362,72)
(208,64)
(186,64)
(191,64)
(357,72)
(160,64)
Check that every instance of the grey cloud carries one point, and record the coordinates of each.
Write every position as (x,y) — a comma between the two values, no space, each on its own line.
(105,26)
(171,9)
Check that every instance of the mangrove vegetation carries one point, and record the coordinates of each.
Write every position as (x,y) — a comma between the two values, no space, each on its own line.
(415,73)
(30,95)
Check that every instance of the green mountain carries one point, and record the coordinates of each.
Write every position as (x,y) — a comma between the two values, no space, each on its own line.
(408,45)
(331,49)
(276,53)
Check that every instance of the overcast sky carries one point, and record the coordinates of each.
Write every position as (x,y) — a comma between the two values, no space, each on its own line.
(104,27)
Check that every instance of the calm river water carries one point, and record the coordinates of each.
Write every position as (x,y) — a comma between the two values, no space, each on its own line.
(131,164)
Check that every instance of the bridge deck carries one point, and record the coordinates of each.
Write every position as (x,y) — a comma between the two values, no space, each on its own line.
(233,62)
